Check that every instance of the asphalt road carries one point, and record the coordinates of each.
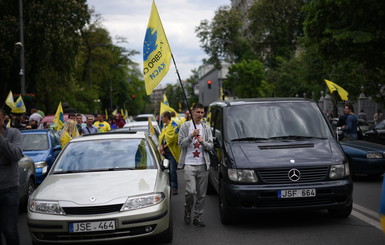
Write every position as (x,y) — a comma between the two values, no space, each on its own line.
(362,227)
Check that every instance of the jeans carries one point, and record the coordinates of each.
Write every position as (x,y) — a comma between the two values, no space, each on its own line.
(196,177)
(172,165)
(9,208)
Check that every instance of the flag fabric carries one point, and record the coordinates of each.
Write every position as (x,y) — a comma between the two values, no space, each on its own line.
(125,114)
(180,107)
(105,111)
(164,107)
(115,112)
(122,112)
(334,87)
(19,106)
(151,129)
(156,52)
(382,206)
(59,118)
(9,123)
(9,101)
(165,100)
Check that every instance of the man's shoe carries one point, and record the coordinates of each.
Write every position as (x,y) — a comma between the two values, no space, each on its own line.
(198,222)
(187,217)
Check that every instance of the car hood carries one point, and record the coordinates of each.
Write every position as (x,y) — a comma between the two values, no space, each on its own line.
(282,154)
(102,187)
(37,156)
(364,145)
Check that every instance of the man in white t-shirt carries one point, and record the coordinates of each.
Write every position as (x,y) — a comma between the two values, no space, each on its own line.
(195,141)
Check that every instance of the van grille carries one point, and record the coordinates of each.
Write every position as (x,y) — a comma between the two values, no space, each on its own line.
(281,175)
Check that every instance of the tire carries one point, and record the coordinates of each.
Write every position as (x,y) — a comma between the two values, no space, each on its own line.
(341,212)
(31,186)
(167,235)
(225,211)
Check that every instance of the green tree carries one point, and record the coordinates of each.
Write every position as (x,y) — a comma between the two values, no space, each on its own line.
(247,79)
(274,28)
(348,37)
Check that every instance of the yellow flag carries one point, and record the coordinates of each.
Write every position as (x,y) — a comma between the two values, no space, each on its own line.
(9,101)
(9,123)
(19,106)
(114,112)
(59,118)
(122,112)
(151,128)
(156,52)
(164,107)
(105,111)
(125,114)
(334,87)
(165,100)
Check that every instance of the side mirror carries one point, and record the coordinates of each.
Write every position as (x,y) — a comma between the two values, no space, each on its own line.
(165,163)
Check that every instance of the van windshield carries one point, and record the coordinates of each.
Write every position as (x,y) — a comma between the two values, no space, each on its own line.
(289,120)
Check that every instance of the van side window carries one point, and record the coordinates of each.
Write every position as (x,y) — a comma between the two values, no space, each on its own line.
(218,126)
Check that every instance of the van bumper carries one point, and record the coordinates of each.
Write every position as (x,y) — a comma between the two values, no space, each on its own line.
(329,194)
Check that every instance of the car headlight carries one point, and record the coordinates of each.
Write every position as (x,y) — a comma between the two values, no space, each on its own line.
(142,201)
(42,165)
(45,207)
(339,171)
(242,175)
(375,155)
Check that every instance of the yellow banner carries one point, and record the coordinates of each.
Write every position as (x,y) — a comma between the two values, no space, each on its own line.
(59,118)
(19,106)
(333,87)
(156,52)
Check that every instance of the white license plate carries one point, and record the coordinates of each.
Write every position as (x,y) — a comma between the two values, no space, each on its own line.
(296,193)
(105,225)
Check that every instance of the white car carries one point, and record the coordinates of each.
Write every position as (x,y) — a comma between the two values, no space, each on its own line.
(103,187)
(144,117)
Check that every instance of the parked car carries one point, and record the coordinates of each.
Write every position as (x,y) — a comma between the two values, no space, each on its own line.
(275,154)
(43,146)
(365,157)
(103,187)
(26,180)
(143,126)
(376,134)
(144,117)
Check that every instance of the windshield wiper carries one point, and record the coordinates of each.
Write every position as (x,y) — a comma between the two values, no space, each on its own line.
(249,139)
(296,137)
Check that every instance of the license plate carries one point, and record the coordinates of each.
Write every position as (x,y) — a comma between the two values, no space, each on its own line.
(296,193)
(105,225)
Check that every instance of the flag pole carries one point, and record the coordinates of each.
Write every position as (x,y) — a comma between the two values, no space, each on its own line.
(184,94)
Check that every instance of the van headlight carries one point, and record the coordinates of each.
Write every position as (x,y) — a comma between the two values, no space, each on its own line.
(242,175)
(339,171)
(142,201)
(45,207)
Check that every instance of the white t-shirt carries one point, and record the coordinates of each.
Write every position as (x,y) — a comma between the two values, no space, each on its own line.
(194,154)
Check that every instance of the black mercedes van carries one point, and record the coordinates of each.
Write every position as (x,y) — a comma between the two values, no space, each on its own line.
(276,154)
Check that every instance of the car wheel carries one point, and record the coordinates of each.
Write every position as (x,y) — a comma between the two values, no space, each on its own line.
(30,189)
(225,211)
(341,212)
(167,235)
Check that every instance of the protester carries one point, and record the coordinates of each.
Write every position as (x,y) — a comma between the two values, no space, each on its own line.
(35,116)
(32,124)
(195,142)
(102,125)
(119,120)
(168,146)
(350,127)
(187,117)
(10,154)
(377,117)
(79,123)
(89,128)
(68,132)
(362,115)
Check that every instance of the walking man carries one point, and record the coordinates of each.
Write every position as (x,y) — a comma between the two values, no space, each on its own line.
(350,127)
(168,146)
(195,145)
(89,128)
(10,154)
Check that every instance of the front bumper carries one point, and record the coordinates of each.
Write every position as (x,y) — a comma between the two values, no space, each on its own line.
(368,166)
(249,198)
(129,224)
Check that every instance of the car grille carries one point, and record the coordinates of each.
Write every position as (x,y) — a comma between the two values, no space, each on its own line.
(93,209)
(88,236)
(281,175)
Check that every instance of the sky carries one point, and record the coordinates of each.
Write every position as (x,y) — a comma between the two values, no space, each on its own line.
(129,19)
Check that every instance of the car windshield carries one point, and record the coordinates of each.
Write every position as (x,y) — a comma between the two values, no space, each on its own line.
(34,142)
(264,121)
(105,155)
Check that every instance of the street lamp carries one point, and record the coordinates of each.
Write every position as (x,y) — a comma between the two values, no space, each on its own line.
(21,45)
